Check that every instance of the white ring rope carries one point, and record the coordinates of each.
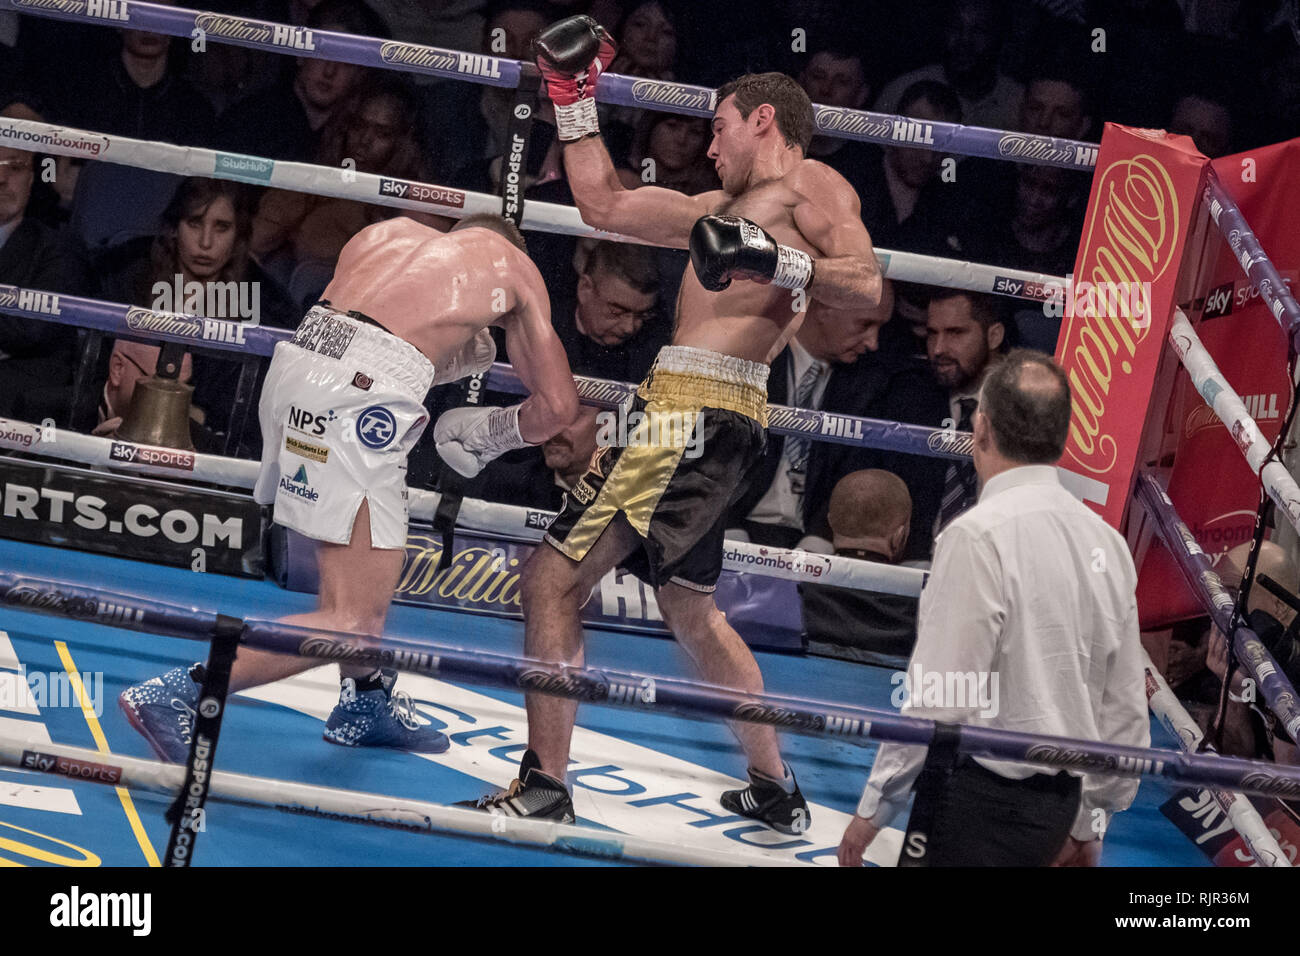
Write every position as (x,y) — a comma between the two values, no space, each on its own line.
(482,516)
(377,809)
(1231,410)
(1241,813)
(447,201)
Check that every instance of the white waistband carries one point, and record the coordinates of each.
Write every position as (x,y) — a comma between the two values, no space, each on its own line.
(688,360)
(376,352)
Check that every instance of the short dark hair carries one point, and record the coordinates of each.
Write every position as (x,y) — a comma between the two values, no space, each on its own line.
(635,265)
(939,95)
(985,309)
(1026,398)
(498,224)
(794,112)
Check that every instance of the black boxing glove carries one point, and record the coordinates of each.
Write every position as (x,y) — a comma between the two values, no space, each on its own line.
(728,247)
(571,54)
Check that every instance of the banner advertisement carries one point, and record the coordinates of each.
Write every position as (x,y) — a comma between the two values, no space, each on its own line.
(483,578)
(1213,488)
(1119,305)
(135,518)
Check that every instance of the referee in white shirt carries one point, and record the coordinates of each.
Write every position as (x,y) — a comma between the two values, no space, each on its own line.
(1031,594)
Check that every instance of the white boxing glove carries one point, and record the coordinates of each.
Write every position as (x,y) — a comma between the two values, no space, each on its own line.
(469,438)
(476,355)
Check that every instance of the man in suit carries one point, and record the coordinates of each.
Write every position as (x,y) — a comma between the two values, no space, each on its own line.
(33,354)
(870,514)
(964,333)
(824,367)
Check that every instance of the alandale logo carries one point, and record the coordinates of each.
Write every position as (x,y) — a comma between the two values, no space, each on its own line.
(299,486)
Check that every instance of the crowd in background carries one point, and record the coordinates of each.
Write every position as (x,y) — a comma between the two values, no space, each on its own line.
(1226,73)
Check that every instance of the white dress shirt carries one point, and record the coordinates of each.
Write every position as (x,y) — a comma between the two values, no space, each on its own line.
(1032,587)
(779,504)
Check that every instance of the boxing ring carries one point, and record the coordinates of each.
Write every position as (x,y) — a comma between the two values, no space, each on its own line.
(650,750)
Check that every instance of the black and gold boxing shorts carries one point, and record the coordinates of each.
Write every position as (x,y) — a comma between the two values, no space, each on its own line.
(671,464)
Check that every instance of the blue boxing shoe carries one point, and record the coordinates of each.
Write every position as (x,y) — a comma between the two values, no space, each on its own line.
(162,710)
(378,717)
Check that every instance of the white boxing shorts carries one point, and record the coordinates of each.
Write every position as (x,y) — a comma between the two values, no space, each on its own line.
(342,407)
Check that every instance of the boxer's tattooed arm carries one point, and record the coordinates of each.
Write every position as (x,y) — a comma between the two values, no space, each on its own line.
(847,274)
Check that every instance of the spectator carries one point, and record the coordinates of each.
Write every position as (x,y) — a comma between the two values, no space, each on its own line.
(50,202)
(973,30)
(33,354)
(870,515)
(614,326)
(1057,102)
(138,92)
(285,122)
(374,131)
(130,363)
(204,240)
(964,332)
(836,76)
(905,203)
(670,151)
(1041,234)
(788,490)
(1204,117)
(1048,208)
(465,130)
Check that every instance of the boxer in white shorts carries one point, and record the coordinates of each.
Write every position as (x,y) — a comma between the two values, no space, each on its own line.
(409,307)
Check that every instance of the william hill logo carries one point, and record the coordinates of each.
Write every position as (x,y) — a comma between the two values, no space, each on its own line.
(298,485)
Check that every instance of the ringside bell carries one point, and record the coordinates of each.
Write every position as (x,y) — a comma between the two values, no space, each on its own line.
(159,414)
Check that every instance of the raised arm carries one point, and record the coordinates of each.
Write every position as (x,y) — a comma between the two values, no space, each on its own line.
(571,55)
(653,214)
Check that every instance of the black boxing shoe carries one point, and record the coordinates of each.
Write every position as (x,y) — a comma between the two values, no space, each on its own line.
(766,801)
(532,794)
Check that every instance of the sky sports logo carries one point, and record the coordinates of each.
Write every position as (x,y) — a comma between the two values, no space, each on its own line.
(422,192)
(130,454)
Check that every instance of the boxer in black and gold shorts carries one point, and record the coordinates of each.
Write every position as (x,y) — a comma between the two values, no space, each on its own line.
(676,502)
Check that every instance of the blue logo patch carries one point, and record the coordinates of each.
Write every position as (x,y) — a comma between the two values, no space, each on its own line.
(376,427)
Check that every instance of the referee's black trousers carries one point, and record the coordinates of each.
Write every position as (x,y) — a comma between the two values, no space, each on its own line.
(985,819)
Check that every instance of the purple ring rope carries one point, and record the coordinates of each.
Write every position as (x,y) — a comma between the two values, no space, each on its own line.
(233,336)
(614,88)
(1205,583)
(851,723)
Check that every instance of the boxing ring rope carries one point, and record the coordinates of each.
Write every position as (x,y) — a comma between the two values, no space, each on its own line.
(851,124)
(853,724)
(1227,405)
(614,89)
(1205,584)
(1239,811)
(483,516)
(376,809)
(343,183)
